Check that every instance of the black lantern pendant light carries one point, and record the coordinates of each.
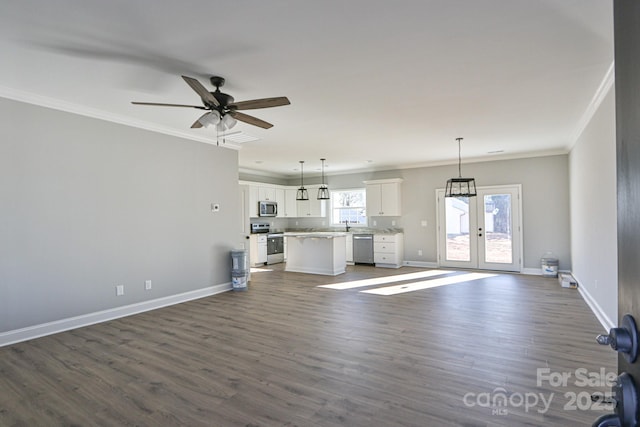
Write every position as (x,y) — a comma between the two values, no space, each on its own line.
(302,193)
(323,191)
(460,187)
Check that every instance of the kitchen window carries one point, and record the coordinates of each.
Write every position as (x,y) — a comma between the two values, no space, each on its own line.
(349,206)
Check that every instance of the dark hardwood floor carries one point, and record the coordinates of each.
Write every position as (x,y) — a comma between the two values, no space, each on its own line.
(287,353)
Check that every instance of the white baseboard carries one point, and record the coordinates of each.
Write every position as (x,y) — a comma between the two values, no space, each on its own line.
(602,317)
(532,271)
(424,264)
(49,328)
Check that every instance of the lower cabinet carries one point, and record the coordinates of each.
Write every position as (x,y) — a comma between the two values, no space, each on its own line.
(388,250)
(258,250)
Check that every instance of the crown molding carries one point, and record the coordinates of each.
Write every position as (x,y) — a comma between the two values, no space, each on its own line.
(69,107)
(605,86)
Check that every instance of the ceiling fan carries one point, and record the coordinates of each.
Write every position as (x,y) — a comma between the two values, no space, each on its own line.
(221,109)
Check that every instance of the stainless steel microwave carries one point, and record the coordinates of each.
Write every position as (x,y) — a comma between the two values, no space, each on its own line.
(267,208)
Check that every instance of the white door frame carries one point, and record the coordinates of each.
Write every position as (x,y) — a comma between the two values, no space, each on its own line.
(475,246)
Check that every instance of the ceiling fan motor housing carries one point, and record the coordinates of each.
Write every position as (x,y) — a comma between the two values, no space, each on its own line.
(223,98)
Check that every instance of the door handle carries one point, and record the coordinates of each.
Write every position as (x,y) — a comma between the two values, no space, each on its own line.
(623,339)
(625,396)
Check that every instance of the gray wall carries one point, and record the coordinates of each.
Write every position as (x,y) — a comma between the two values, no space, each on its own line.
(87,205)
(593,211)
(545,188)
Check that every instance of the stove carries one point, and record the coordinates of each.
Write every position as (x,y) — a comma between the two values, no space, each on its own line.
(275,242)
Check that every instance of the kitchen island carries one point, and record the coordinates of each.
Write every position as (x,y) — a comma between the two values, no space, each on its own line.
(316,253)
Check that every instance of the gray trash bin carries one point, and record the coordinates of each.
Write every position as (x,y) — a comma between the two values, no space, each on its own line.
(549,265)
(239,270)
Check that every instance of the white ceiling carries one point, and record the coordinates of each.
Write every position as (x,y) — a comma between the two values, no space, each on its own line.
(373,84)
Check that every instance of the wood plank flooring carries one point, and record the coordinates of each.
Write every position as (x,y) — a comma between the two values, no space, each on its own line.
(287,353)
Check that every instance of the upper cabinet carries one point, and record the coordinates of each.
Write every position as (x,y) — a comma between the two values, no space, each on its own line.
(290,209)
(267,194)
(384,197)
(313,207)
(288,206)
(260,193)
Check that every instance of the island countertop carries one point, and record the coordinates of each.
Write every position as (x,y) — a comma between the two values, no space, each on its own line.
(317,234)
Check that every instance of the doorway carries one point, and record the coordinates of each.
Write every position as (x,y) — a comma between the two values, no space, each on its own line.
(482,232)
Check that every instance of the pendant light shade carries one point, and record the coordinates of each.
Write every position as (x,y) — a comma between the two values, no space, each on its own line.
(302,193)
(323,191)
(460,187)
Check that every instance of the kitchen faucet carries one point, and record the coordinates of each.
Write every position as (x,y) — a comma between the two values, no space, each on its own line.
(346,224)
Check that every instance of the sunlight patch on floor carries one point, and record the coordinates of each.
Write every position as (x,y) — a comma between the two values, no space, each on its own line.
(426,284)
(260,270)
(384,280)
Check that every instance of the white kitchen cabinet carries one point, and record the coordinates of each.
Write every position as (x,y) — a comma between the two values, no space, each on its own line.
(388,250)
(267,193)
(258,193)
(384,197)
(349,240)
(280,199)
(258,250)
(290,207)
(312,208)
(254,198)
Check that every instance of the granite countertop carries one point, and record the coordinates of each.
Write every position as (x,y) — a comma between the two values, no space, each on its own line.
(341,230)
(315,234)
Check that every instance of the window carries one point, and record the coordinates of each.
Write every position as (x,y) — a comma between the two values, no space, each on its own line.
(349,205)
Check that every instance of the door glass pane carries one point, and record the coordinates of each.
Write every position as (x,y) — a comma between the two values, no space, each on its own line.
(457,227)
(498,242)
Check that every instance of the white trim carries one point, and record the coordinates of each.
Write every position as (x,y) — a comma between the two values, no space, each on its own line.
(81,110)
(424,264)
(37,331)
(602,317)
(601,92)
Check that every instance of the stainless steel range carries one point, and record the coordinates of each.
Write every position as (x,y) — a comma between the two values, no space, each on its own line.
(275,242)
(275,248)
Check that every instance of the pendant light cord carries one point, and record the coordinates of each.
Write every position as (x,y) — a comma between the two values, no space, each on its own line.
(459,159)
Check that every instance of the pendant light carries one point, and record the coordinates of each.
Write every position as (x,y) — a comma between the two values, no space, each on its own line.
(302,193)
(460,187)
(323,191)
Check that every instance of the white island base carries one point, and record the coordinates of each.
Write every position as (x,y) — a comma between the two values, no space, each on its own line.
(316,253)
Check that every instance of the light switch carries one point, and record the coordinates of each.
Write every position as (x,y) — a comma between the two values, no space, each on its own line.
(423,223)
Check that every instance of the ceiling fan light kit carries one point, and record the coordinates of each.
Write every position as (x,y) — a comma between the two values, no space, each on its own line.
(323,191)
(302,193)
(221,108)
(460,187)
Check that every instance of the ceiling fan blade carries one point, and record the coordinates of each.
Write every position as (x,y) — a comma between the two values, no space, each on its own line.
(202,91)
(250,120)
(168,105)
(197,124)
(260,103)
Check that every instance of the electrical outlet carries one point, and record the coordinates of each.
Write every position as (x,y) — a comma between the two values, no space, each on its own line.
(119,290)
(393,223)
(147,285)
(419,252)
(375,222)
(423,223)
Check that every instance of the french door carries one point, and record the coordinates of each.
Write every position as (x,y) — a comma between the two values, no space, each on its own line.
(482,232)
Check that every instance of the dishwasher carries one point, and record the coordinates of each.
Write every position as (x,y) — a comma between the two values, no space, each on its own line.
(363,248)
